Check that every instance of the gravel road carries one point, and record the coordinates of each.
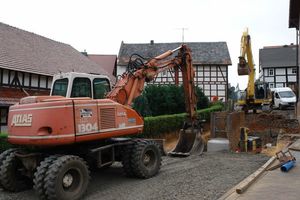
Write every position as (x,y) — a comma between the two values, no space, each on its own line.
(196,177)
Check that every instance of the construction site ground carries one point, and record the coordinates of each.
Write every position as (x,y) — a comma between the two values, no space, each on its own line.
(275,185)
(281,129)
(207,176)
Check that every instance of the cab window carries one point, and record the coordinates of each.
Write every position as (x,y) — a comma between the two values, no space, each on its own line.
(60,87)
(101,87)
(81,88)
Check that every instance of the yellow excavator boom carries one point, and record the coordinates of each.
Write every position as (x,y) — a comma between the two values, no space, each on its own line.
(246,64)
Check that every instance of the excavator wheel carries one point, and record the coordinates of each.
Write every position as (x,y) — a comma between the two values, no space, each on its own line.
(126,160)
(3,156)
(189,142)
(145,159)
(67,178)
(39,176)
(11,176)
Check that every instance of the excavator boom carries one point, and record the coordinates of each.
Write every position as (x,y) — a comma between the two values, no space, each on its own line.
(246,67)
(132,83)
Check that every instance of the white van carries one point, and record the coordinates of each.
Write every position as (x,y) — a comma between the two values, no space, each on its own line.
(283,97)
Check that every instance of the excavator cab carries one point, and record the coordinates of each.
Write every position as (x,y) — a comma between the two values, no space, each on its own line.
(74,84)
(261,90)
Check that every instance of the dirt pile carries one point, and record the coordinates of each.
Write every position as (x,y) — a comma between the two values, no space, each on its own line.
(272,122)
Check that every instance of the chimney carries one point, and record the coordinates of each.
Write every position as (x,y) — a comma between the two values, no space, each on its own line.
(151,42)
(84,53)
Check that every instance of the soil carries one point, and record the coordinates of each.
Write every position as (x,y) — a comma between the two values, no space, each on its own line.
(278,121)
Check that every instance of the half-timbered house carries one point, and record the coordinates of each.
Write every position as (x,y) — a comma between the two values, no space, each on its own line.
(278,66)
(210,60)
(27,63)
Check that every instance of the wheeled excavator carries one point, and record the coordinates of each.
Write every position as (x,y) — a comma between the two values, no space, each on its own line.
(59,138)
(256,93)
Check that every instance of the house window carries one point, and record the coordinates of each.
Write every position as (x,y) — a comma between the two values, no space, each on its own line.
(164,73)
(3,119)
(271,72)
(294,70)
(271,85)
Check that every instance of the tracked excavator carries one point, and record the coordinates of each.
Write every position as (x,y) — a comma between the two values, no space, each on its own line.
(59,138)
(256,93)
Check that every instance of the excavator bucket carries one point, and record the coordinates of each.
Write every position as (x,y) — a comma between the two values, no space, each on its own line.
(243,68)
(190,142)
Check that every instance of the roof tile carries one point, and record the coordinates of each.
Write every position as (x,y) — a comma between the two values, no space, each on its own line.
(25,51)
(202,52)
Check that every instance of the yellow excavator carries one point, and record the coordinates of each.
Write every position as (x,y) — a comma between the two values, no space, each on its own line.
(256,94)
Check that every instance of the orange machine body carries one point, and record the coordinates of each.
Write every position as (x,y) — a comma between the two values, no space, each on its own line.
(55,120)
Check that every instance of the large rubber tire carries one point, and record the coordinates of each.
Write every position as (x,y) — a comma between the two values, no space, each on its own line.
(39,176)
(126,160)
(3,156)
(67,178)
(11,177)
(145,159)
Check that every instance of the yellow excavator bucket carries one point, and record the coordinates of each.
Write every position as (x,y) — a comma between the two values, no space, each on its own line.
(190,142)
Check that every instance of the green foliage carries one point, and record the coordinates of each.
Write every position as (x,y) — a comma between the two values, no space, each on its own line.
(165,99)
(203,101)
(3,142)
(154,126)
(3,135)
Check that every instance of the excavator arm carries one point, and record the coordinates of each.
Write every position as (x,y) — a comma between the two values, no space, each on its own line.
(132,83)
(246,64)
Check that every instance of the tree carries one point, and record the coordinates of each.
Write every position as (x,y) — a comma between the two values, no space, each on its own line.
(165,99)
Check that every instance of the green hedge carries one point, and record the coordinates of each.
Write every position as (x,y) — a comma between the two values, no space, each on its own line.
(155,126)
(3,142)
(159,100)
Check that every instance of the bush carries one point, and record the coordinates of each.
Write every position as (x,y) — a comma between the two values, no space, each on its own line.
(165,99)
(3,142)
(155,126)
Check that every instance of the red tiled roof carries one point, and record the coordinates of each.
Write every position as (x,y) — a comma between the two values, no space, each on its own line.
(107,62)
(25,51)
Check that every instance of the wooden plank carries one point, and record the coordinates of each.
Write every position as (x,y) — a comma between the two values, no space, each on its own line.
(244,185)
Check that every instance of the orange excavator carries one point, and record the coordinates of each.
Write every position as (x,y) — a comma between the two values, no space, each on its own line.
(58,138)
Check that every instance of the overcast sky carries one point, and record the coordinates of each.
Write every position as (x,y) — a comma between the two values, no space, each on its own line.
(100,26)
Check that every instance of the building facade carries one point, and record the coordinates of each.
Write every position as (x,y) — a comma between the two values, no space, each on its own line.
(210,60)
(278,66)
(28,62)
